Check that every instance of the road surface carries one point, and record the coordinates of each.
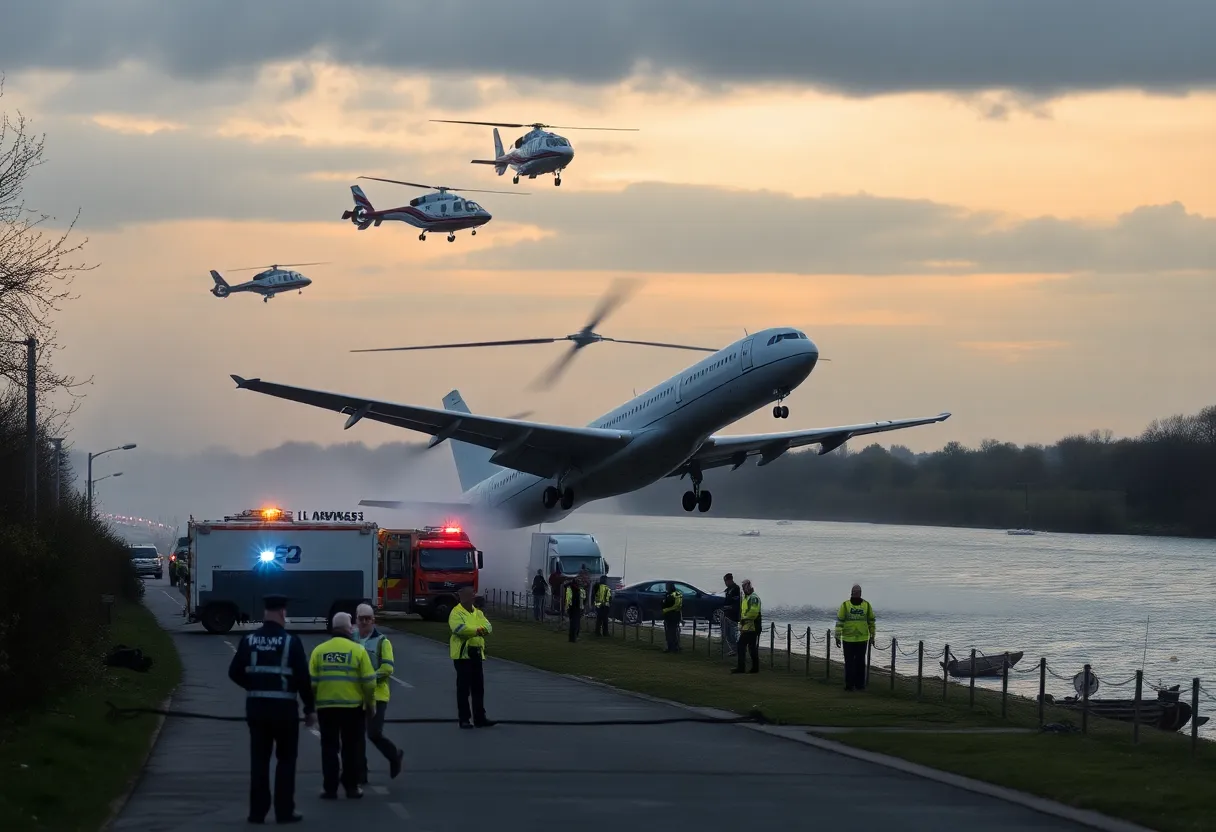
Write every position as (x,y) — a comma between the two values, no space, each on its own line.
(670,777)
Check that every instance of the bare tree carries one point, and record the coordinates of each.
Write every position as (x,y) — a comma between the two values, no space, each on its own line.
(37,264)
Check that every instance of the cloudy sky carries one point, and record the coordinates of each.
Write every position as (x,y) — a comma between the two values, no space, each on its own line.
(1005,210)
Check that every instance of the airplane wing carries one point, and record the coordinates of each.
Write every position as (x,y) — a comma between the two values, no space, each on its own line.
(717,451)
(531,447)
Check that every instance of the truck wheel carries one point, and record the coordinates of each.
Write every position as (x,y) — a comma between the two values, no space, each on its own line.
(633,614)
(716,618)
(442,610)
(218,620)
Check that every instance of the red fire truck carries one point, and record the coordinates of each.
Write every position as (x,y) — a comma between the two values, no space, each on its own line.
(421,570)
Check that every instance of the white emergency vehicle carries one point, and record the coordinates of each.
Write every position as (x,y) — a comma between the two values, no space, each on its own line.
(322,565)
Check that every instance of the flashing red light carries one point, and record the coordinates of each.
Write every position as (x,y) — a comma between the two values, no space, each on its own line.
(451,529)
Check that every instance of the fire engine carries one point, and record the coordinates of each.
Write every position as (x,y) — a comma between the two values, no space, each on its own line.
(421,570)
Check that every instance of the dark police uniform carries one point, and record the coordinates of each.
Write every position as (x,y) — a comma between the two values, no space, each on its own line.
(272,667)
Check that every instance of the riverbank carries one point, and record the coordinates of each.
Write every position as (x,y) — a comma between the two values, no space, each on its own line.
(1156,783)
(64,766)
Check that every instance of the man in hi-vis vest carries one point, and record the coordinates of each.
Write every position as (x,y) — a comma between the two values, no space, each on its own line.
(380,652)
(855,626)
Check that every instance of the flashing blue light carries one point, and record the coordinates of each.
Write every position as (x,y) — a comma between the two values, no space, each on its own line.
(267,556)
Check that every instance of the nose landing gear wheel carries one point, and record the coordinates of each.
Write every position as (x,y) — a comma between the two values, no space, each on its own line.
(451,238)
(422,236)
(515,180)
(781,412)
(473,233)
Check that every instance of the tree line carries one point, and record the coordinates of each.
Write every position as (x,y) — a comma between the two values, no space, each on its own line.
(57,563)
(1160,482)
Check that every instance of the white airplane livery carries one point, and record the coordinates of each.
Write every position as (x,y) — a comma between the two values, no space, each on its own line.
(518,473)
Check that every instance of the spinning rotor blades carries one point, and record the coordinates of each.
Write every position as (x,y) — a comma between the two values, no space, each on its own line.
(537,125)
(444,187)
(278,266)
(617,294)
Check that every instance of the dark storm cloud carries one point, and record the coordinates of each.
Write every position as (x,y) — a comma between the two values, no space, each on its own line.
(685,228)
(859,47)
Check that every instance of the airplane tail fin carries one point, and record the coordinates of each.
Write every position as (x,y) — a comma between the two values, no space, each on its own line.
(499,167)
(360,215)
(221,287)
(472,461)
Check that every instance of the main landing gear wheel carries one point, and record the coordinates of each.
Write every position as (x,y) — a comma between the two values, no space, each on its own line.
(781,412)
(551,496)
(698,500)
(557,180)
(515,181)
(422,236)
(266,299)
(451,238)
(473,233)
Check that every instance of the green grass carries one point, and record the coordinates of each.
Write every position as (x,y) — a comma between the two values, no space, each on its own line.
(63,767)
(1157,783)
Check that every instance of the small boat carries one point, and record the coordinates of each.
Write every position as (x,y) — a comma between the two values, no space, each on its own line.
(785,522)
(750,533)
(1020,531)
(984,665)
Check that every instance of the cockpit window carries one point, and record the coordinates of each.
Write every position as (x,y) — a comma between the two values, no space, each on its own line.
(792,336)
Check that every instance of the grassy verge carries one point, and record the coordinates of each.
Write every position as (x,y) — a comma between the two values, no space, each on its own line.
(63,767)
(1157,783)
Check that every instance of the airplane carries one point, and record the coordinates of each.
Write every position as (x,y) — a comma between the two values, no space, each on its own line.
(267,283)
(438,212)
(536,152)
(617,294)
(517,473)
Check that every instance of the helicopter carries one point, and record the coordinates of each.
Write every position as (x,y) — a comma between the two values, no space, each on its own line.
(535,152)
(267,283)
(441,211)
(617,294)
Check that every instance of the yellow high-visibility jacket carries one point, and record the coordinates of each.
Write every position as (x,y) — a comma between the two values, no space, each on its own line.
(463,625)
(380,652)
(749,613)
(342,674)
(603,595)
(677,602)
(482,621)
(855,622)
(582,597)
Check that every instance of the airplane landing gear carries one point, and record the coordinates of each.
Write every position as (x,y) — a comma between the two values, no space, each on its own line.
(473,233)
(266,299)
(557,178)
(515,180)
(551,496)
(422,236)
(780,411)
(452,237)
(698,499)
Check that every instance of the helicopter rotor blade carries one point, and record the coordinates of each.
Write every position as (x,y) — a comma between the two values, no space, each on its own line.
(279,266)
(480,123)
(482,191)
(615,129)
(400,182)
(470,344)
(661,344)
(546,380)
(619,292)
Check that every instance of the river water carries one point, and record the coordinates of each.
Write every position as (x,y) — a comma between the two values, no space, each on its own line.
(1072,598)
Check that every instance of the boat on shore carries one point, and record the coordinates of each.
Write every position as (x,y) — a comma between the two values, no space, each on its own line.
(1167,712)
(984,665)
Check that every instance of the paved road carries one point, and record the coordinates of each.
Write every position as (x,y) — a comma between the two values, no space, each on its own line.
(677,777)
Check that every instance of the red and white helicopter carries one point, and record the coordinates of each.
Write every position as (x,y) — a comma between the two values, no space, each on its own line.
(439,211)
(536,152)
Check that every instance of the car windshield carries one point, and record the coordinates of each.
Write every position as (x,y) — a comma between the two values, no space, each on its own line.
(448,560)
(142,552)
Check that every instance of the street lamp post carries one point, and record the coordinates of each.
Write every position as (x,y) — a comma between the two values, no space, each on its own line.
(106,477)
(89,481)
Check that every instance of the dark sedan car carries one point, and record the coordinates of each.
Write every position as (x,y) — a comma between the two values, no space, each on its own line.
(644,602)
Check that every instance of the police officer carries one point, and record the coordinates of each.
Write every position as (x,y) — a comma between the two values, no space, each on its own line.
(380,652)
(673,604)
(345,687)
(749,629)
(855,625)
(576,602)
(270,664)
(603,598)
(466,646)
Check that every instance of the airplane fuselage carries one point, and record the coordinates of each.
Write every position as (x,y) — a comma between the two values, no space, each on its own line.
(668,422)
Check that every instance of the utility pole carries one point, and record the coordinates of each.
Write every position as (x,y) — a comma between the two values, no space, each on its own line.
(58,443)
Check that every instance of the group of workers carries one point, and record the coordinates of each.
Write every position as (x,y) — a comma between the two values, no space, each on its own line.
(569,597)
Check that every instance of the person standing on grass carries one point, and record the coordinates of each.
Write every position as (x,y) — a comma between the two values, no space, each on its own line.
(555,587)
(602,601)
(730,613)
(538,595)
(673,605)
(855,626)
(749,629)
(576,602)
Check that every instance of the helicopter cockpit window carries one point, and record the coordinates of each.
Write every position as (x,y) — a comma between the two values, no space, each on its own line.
(472,206)
(415,202)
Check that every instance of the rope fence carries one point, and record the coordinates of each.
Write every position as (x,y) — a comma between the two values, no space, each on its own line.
(805,651)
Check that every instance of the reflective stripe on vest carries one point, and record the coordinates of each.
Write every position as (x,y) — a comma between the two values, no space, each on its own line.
(282,670)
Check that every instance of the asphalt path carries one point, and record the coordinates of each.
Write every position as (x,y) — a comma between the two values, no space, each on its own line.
(670,777)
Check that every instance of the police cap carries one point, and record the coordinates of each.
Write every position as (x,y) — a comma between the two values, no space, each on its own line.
(275,602)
